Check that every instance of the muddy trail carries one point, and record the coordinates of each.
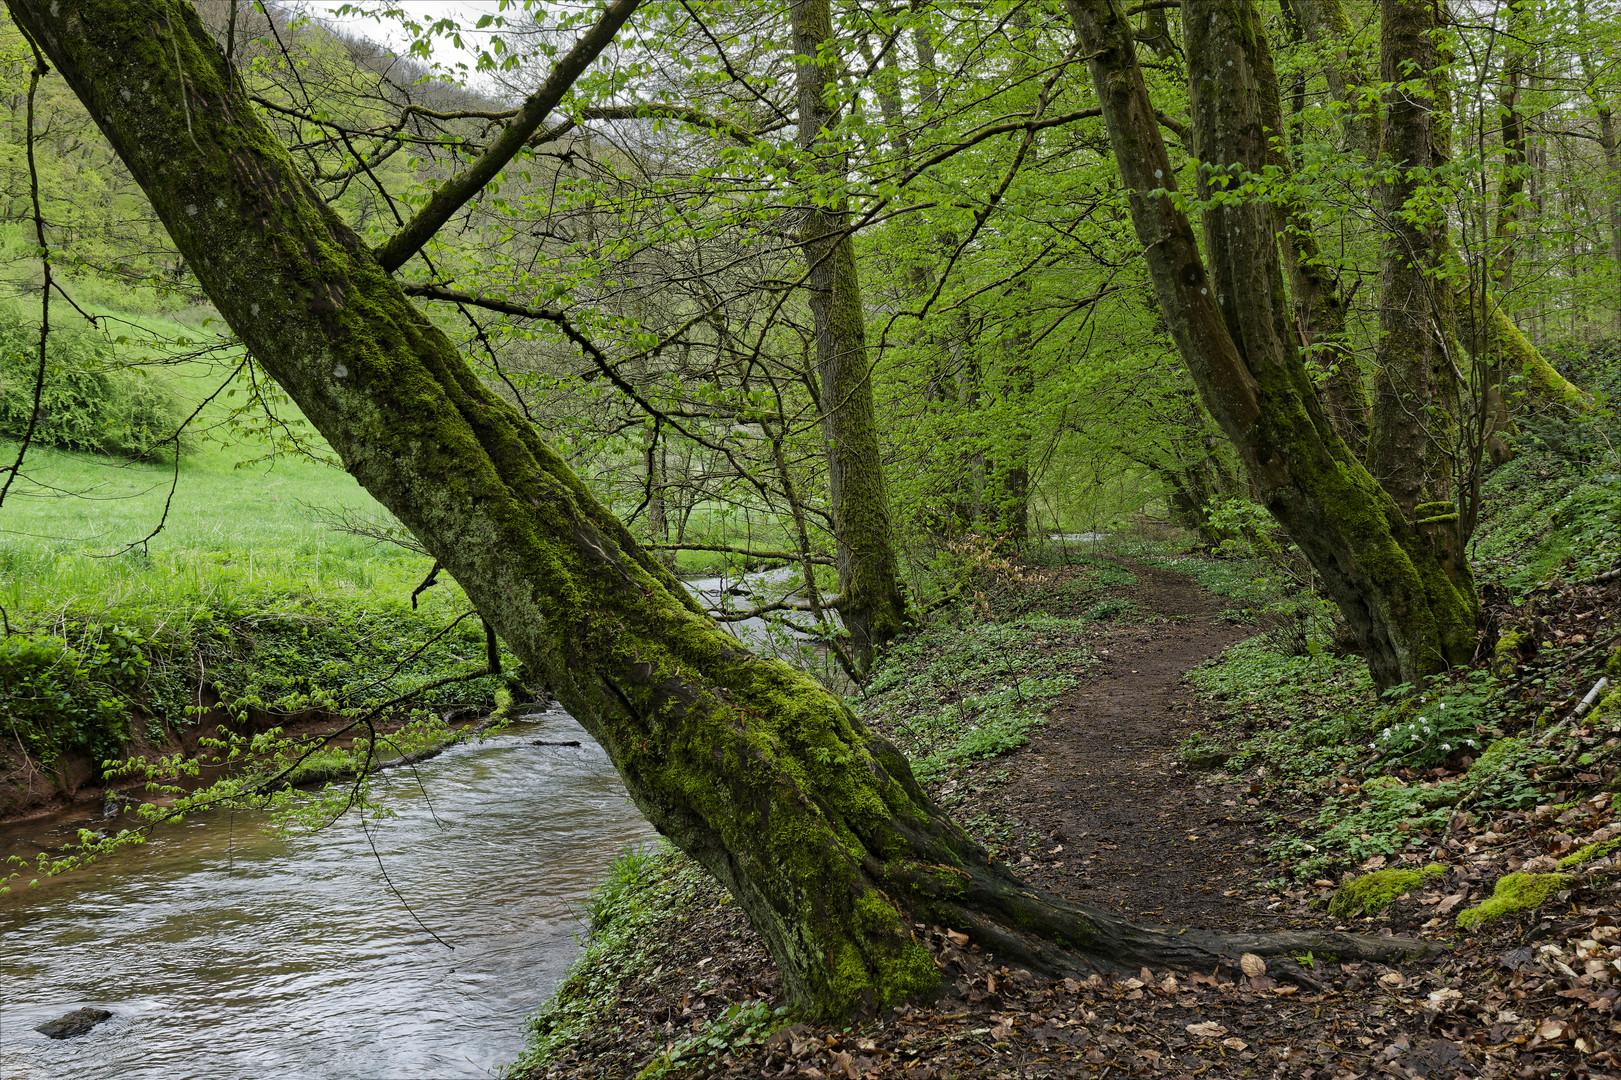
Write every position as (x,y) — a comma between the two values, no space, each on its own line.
(1108,814)
(1100,808)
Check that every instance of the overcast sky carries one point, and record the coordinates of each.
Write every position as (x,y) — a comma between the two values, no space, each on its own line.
(388,32)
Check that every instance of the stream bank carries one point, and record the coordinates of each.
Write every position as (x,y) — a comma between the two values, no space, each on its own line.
(228,954)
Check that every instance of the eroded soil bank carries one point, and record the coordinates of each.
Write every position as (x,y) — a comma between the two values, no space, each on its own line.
(1100,806)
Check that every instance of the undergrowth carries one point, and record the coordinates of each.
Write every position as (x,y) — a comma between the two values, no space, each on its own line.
(956,693)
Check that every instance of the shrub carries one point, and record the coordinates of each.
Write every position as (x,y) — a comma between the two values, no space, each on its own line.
(89,401)
(58,698)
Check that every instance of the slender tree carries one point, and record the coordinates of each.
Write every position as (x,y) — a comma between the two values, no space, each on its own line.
(870,602)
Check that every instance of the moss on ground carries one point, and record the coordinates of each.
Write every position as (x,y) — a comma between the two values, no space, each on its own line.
(1372,893)
(1588,854)
(1514,893)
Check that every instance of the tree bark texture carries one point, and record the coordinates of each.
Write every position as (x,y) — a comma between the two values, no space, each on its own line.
(1318,303)
(815,825)
(1411,612)
(1611,145)
(1415,388)
(1511,188)
(871,602)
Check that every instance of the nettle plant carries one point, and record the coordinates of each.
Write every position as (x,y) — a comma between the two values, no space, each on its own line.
(1425,728)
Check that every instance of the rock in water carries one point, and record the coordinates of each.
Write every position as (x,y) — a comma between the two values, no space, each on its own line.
(74,1023)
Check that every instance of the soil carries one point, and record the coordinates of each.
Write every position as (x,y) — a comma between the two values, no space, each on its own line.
(1130,829)
(1098,807)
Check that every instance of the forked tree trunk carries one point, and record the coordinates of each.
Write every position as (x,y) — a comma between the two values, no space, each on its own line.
(815,825)
(1412,613)
(871,603)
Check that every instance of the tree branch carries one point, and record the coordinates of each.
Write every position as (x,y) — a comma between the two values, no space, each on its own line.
(451,196)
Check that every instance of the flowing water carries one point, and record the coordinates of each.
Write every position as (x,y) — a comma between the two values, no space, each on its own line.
(224,953)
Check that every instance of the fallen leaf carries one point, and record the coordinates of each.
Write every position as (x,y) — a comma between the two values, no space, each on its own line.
(1446,905)
(1253,965)
(1209,1029)
(956,937)
(1235,1044)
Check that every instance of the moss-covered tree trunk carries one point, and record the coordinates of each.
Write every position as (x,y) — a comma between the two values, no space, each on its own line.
(816,826)
(1319,304)
(1610,143)
(1511,185)
(1415,411)
(871,602)
(1411,612)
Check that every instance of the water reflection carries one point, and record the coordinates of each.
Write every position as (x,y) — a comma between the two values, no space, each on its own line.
(224,953)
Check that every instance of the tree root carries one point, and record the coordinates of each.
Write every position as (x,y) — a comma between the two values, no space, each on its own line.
(1060,938)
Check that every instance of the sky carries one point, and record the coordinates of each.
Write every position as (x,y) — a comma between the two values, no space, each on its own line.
(389,33)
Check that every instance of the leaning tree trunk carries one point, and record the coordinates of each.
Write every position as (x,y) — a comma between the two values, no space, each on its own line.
(815,825)
(1410,612)
(871,603)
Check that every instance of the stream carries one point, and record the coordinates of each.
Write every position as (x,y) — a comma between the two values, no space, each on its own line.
(225,953)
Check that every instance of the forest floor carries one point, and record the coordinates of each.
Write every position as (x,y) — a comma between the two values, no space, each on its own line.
(1102,806)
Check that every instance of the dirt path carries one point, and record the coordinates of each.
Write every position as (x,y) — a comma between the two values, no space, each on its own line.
(1123,825)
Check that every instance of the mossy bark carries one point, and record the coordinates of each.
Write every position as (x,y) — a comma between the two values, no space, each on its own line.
(871,603)
(1492,338)
(1318,303)
(1511,185)
(1410,448)
(815,825)
(1411,606)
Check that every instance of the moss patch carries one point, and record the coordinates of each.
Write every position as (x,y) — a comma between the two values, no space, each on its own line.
(1514,892)
(1588,853)
(1372,893)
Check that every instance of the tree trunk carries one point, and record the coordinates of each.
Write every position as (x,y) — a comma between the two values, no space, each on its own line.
(1007,496)
(1410,449)
(815,825)
(1491,337)
(1512,129)
(658,511)
(1612,197)
(1412,613)
(1319,305)
(1325,21)
(871,603)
